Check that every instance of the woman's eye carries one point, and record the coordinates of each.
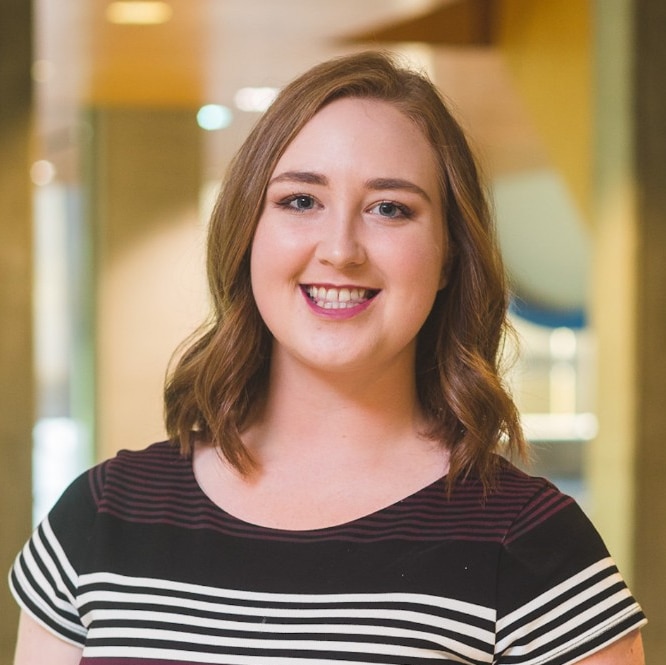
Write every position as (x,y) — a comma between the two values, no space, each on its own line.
(391,210)
(300,203)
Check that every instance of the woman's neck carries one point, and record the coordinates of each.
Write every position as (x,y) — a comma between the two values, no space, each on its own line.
(329,449)
(351,414)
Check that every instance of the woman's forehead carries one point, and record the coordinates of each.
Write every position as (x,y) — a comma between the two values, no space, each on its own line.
(361,134)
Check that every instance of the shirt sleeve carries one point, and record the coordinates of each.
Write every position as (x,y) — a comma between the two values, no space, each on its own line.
(44,576)
(560,595)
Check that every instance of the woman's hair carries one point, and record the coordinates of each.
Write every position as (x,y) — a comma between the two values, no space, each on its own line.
(217,387)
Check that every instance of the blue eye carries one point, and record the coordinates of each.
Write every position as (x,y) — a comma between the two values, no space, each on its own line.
(300,202)
(392,210)
(388,209)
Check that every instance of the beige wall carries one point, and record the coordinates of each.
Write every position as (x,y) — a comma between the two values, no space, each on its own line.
(150,291)
(615,318)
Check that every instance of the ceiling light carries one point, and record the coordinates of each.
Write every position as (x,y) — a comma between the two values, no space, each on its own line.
(138,12)
(255,99)
(214,116)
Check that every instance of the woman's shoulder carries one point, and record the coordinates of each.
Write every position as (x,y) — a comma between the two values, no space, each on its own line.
(528,501)
(512,489)
(126,468)
(158,460)
(145,471)
(156,457)
(514,481)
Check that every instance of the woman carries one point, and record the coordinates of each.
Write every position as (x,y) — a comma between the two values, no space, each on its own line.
(336,492)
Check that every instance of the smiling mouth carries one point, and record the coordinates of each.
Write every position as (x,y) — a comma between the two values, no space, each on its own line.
(338,298)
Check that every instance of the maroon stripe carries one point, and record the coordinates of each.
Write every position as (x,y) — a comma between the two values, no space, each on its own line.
(157,486)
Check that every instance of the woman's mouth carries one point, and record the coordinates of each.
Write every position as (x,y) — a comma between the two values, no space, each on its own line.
(330,297)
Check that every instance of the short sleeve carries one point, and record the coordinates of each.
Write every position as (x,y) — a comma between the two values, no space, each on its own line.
(560,595)
(44,576)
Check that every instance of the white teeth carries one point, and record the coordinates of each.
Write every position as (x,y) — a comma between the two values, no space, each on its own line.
(333,298)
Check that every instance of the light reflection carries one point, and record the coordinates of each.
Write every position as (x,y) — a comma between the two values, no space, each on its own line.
(212,117)
(42,172)
(138,12)
(255,100)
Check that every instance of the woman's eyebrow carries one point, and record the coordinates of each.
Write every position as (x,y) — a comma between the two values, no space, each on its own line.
(306,177)
(380,184)
(375,184)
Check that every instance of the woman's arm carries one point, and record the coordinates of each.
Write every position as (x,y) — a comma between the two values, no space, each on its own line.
(626,651)
(36,646)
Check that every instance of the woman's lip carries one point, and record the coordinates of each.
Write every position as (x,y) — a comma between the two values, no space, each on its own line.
(339,313)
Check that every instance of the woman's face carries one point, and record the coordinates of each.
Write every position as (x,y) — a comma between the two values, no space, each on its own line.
(349,250)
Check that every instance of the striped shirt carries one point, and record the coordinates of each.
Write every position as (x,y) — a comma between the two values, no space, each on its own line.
(136,565)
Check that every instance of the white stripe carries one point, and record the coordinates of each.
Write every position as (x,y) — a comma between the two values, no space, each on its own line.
(329,629)
(27,564)
(291,613)
(599,629)
(44,607)
(293,647)
(568,607)
(296,612)
(48,586)
(557,591)
(479,611)
(575,621)
(229,659)
(60,555)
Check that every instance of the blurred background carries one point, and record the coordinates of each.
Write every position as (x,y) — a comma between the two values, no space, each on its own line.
(118,119)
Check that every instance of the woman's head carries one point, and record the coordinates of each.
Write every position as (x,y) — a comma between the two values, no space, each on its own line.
(366,75)
(349,252)
(457,346)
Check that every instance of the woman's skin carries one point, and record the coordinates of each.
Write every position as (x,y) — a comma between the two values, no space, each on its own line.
(37,646)
(353,216)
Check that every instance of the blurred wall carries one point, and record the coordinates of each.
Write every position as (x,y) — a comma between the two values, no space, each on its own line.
(628,461)
(591,75)
(144,183)
(549,49)
(649,129)
(16,379)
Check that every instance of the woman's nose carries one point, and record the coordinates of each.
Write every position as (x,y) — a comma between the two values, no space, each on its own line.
(340,244)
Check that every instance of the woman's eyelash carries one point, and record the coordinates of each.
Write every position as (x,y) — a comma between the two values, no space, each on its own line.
(305,202)
(393,210)
(297,202)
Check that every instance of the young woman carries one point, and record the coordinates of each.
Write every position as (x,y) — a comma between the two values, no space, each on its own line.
(333,490)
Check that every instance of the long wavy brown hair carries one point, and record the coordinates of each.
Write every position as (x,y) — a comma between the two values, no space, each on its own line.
(218,385)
